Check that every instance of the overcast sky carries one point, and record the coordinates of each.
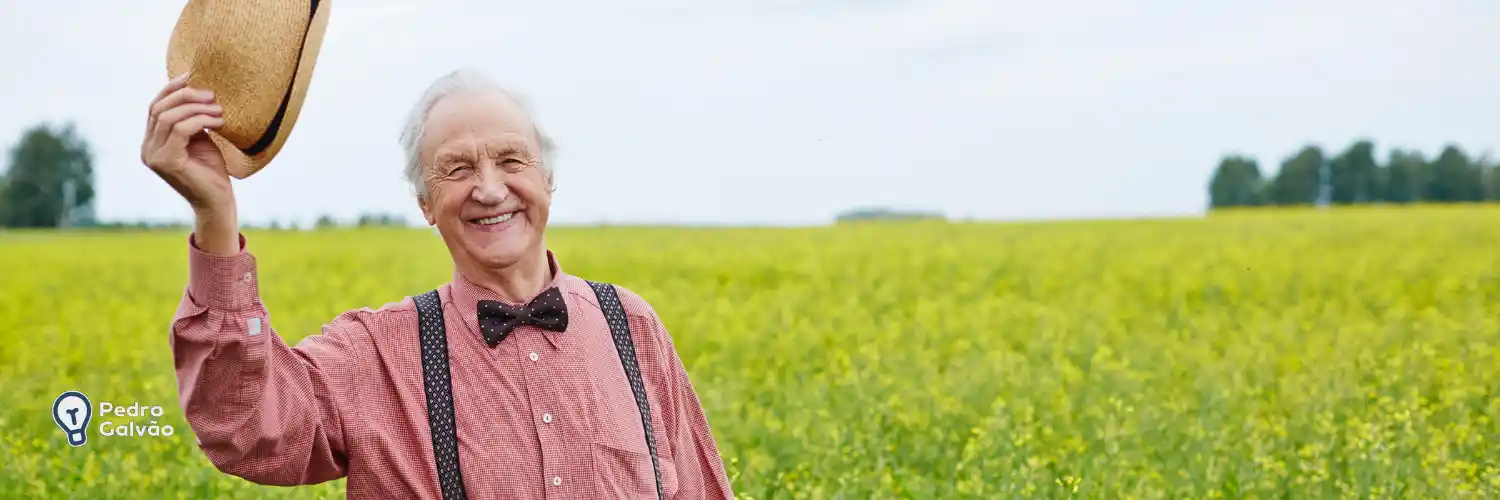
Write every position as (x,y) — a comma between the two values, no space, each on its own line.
(786,112)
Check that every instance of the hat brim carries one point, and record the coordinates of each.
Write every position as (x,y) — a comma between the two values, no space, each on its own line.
(240,164)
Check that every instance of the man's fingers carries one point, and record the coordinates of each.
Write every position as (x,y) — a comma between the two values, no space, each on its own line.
(195,124)
(170,118)
(172,86)
(182,131)
(179,97)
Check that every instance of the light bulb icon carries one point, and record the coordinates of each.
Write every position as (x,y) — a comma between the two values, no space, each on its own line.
(72,411)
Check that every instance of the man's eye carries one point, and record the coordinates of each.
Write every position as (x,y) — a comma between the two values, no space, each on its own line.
(458,169)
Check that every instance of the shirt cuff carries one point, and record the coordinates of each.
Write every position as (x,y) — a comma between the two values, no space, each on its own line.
(222,282)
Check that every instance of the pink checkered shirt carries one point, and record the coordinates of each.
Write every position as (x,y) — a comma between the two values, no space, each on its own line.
(541,415)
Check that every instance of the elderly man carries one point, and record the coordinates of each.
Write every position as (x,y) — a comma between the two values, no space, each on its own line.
(515,380)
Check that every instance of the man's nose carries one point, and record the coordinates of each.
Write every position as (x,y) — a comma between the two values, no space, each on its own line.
(491,189)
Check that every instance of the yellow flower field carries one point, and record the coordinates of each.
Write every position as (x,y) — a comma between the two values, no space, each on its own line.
(1303,354)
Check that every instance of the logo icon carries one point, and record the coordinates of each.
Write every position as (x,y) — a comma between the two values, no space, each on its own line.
(71,411)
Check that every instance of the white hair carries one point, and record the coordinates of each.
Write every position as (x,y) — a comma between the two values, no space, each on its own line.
(456,82)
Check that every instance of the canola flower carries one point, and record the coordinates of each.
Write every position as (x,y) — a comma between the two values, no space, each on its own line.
(1349,353)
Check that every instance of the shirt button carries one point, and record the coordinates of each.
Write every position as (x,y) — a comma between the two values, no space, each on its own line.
(533,356)
(556,481)
(547,417)
(246,277)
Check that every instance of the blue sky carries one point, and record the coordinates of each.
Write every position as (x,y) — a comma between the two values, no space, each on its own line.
(787,112)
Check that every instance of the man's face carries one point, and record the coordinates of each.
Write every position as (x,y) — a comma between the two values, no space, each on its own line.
(487,192)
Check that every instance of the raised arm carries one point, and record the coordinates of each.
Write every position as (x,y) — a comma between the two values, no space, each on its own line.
(261,410)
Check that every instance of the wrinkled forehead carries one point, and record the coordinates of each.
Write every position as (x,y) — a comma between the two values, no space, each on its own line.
(476,121)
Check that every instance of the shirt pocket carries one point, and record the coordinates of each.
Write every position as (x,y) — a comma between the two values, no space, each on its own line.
(617,443)
(627,474)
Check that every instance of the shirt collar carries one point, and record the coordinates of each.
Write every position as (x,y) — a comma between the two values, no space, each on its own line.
(467,294)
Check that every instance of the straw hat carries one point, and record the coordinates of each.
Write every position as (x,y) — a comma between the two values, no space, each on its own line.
(257,57)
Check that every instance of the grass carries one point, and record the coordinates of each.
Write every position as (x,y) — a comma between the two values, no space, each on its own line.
(1294,353)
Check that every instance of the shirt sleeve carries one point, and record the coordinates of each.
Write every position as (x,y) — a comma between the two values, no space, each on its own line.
(700,469)
(261,410)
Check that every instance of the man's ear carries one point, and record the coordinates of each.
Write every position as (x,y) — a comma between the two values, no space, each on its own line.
(426,213)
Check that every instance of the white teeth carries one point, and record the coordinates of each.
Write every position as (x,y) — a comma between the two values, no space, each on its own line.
(496,220)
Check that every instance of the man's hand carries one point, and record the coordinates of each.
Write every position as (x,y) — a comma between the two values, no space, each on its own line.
(178,150)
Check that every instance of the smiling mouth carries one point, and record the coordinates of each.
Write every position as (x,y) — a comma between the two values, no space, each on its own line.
(498,219)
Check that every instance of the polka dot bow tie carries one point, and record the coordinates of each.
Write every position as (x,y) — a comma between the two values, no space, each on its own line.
(546,311)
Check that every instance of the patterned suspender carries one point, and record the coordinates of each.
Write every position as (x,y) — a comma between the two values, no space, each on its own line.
(614,314)
(439,390)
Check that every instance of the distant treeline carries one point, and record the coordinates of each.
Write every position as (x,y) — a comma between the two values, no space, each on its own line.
(322,222)
(1354,176)
(883,213)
